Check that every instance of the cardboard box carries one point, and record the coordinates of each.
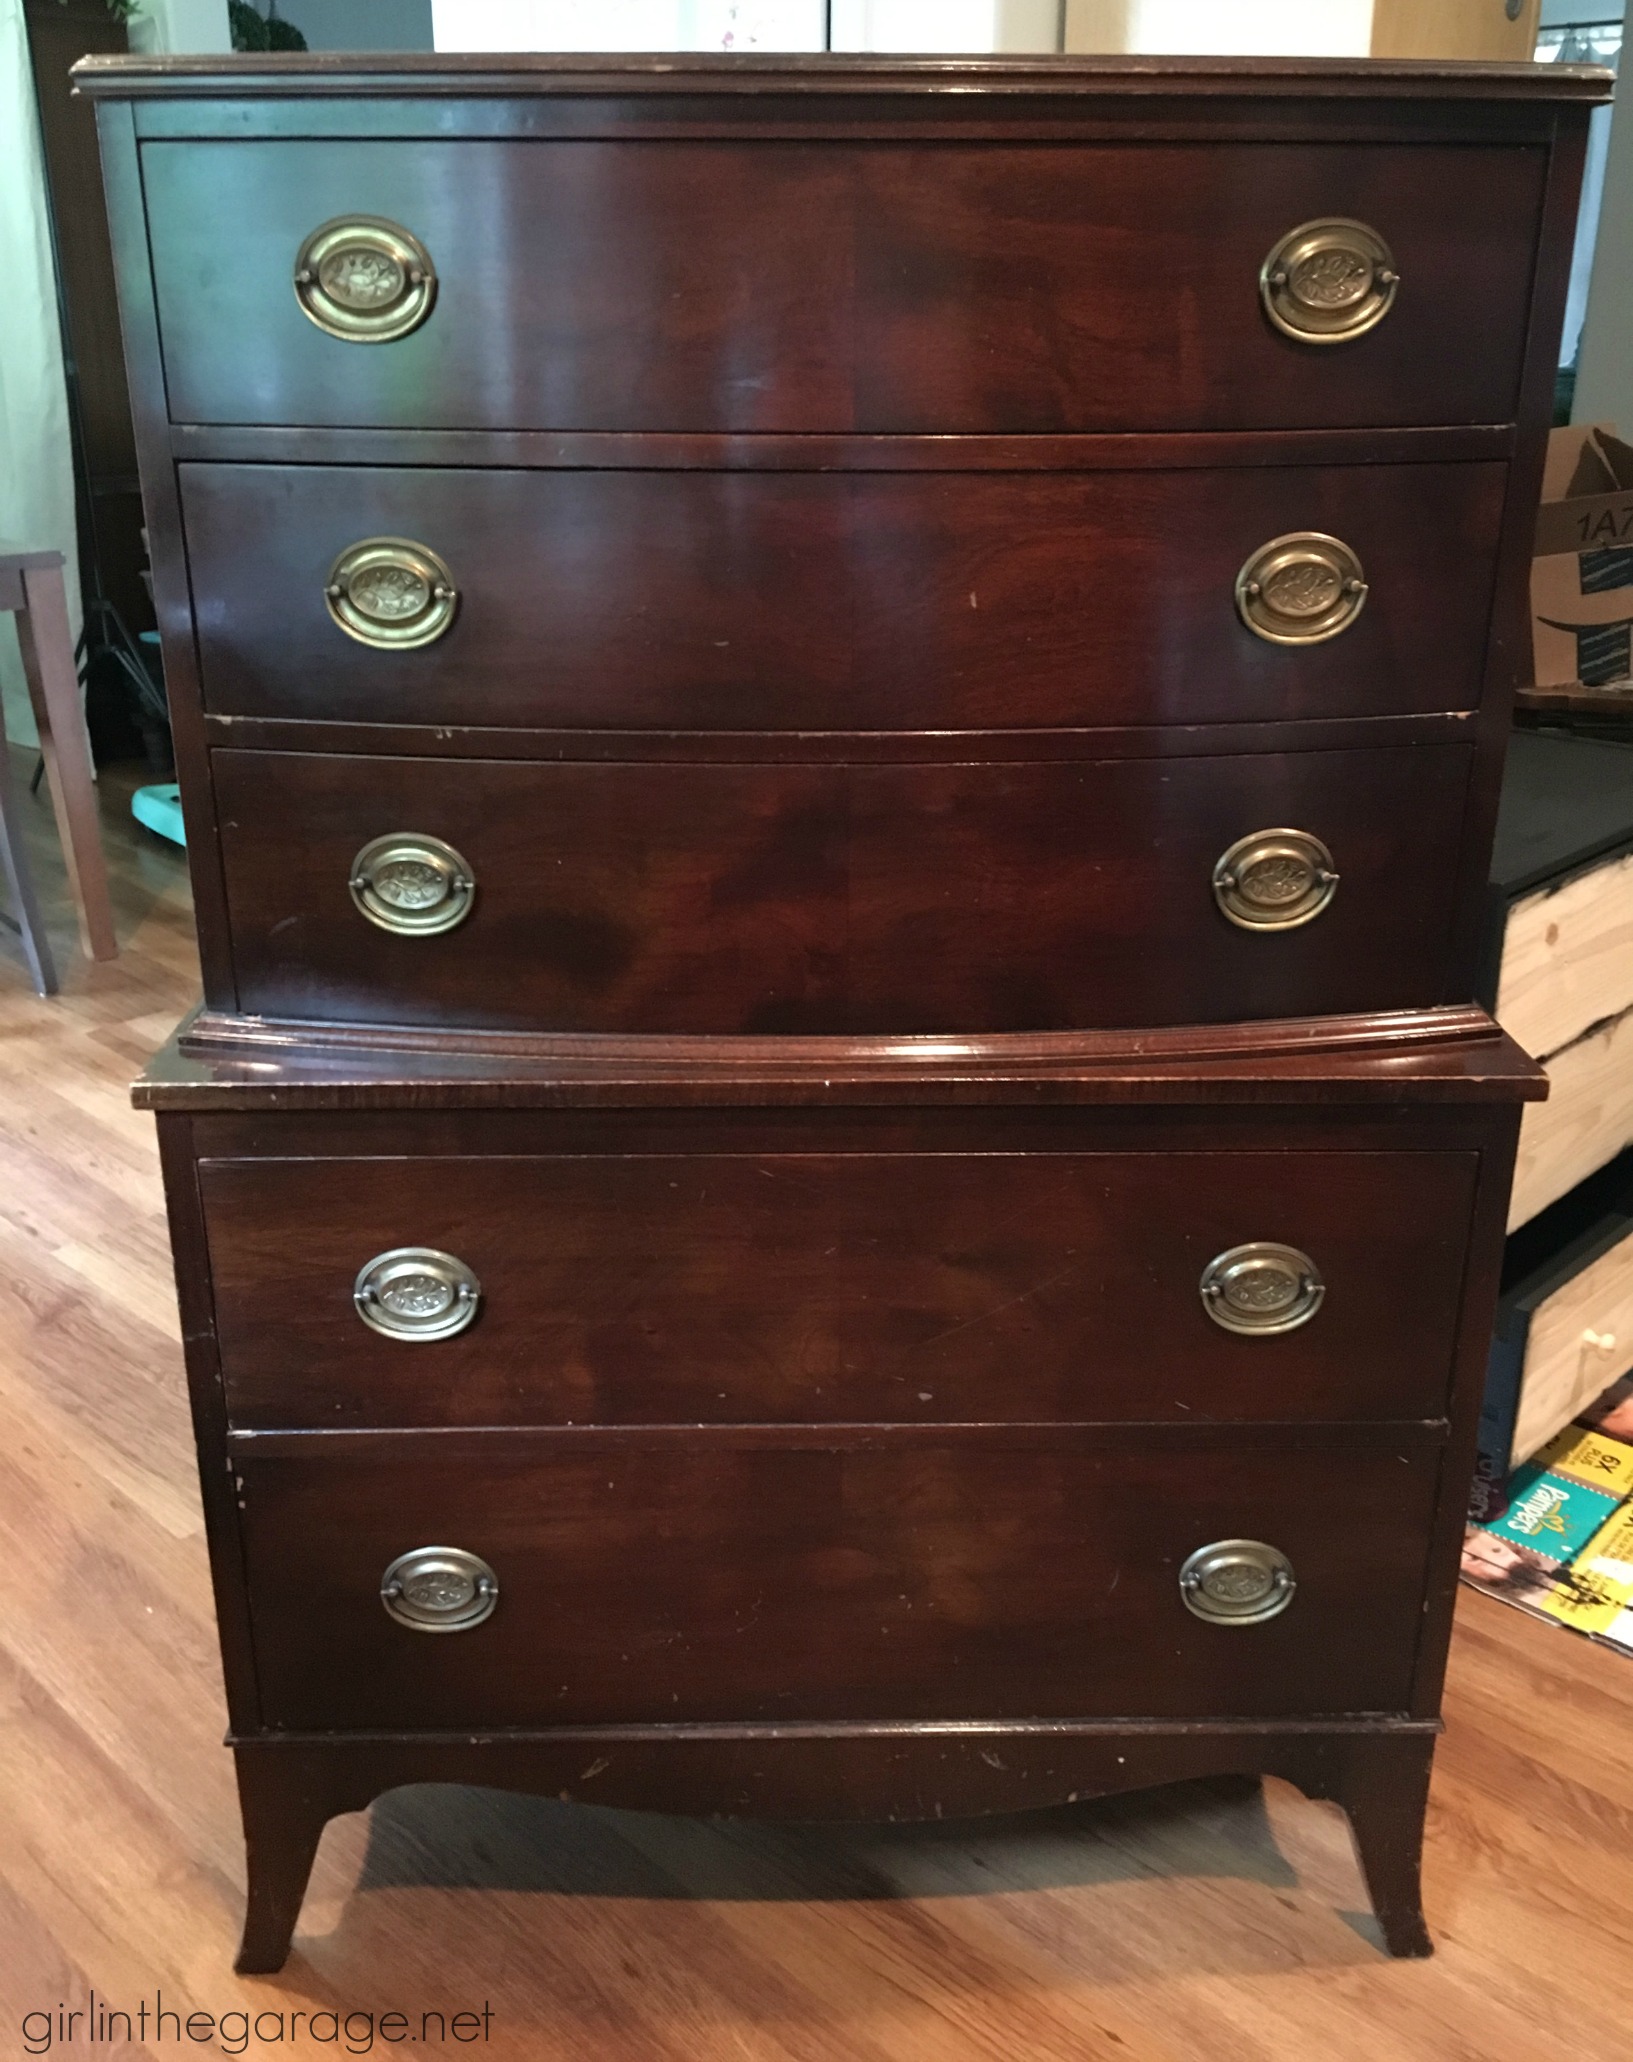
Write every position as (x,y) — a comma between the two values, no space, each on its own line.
(1582,573)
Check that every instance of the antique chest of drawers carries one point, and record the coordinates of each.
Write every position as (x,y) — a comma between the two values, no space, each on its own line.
(840,723)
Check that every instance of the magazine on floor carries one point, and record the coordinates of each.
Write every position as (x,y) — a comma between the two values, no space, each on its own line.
(1558,1541)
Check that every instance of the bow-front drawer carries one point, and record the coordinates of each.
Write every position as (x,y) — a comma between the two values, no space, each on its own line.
(624,285)
(677,600)
(875,898)
(952,1284)
(476,1580)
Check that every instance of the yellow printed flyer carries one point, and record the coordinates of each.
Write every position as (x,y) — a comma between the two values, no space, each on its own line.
(1558,1541)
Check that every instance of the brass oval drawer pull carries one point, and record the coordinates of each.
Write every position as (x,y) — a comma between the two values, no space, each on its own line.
(391,593)
(1237,1582)
(1329,281)
(415,1292)
(364,279)
(1274,880)
(1301,589)
(412,884)
(1261,1288)
(439,1589)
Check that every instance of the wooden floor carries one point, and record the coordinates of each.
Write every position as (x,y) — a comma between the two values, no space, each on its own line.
(1205,1924)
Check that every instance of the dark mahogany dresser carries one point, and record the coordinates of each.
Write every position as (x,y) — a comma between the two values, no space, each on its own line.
(840,723)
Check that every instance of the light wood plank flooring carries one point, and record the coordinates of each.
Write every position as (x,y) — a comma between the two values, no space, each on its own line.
(1196,1925)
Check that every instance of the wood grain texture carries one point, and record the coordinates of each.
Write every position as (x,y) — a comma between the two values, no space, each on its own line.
(727,601)
(23,917)
(300,1126)
(692,1573)
(788,286)
(1379,1773)
(649,1578)
(1568,958)
(1586,1121)
(810,452)
(914,1287)
(944,310)
(213,1062)
(848,747)
(1138,1927)
(917,1480)
(840,899)
(752,75)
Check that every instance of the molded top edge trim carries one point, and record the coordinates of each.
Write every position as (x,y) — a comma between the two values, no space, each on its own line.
(216,1062)
(375,74)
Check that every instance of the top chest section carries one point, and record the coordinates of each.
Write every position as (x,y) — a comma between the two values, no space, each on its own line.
(483,265)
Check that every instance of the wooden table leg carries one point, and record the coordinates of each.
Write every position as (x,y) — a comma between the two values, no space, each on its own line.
(53,687)
(14,862)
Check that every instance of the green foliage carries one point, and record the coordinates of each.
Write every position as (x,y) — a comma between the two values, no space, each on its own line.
(121,10)
(252,30)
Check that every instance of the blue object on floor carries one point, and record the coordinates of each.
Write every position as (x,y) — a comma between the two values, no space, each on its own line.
(160,809)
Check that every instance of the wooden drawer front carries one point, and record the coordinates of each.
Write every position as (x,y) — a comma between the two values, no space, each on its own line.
(716,898)
(810,1288)
(1586,1121)
(809,601)
(1567,960)
(702,285)
(665,1578)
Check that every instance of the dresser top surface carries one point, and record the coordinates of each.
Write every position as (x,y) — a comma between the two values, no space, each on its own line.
(393,74)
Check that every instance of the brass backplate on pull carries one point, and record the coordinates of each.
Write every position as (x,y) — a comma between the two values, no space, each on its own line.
(412,884)
(439,1589)
(1237,1582)
(364,279)
(1329,281)
(391,593)
(1301,589)
(416,1292)
(1261,1289)
(1274,880)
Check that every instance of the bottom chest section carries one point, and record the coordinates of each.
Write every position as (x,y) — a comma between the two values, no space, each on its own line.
(527,1419)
